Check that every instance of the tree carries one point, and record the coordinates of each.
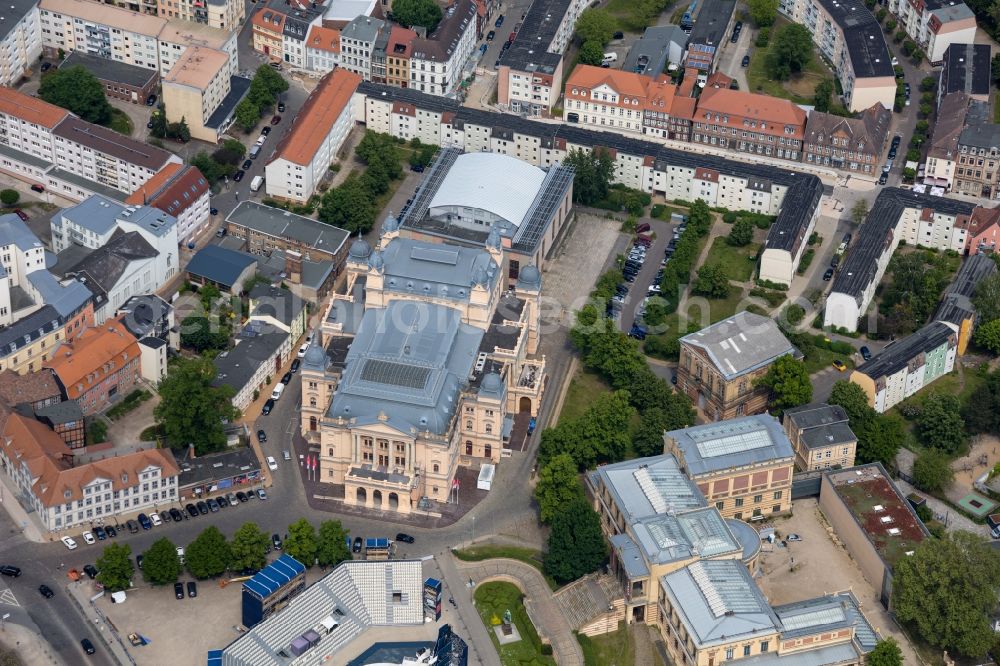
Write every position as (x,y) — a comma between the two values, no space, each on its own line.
(247,114)
(995,68)
(348,206)
(246,551)
(424,13)
(9,197)
(648,438)
(712,282)
(595,25)
(987,298)
(742,233)
(79,91)
(599,434)
(115,567)
(332,546)
(859,211)
(212,170)
(179,130)
(591,53)
(790,51)
(932,471)
(789,383)
(988,336)
(940,423)
(941,591)
(191,410)
(301,542)
(558,485)
(160,564)
(763,12)
(274,83)
(592,174)
(886,653)
(879,435)
(199,333)
(576,543)
(821,96)
(209,554)
(159,128)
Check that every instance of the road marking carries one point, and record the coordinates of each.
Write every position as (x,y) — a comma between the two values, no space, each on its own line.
(7,597)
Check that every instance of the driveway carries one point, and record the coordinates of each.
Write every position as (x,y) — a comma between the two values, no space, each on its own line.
(644,280)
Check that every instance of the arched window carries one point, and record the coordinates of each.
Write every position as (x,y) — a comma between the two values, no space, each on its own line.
(489,428)
(331,452)
(468,425)
(313,423)
(468,448)
(312,401)
(437,468)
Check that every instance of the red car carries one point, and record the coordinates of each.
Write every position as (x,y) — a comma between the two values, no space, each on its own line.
(642,228)
(275,120)
(21,214)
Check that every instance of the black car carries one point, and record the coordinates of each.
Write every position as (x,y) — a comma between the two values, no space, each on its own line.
(247,164)
(499,21)
(100,533)
(111,532)
(281,107)
(213,505)
(46,66)
(265,130)
(242,496)
(192,588)
(138,561)
(176,515)
(417,168)
(261,436)
(357,545)
(238,176)
(223,502)
(213,211)
(287,377)
(835,261)
(133,527)
(165,516)
(202,508)
(847,238)
(192,510)
(144,521)
(46,591)
(268,406)
(179,590)
(883,178)
(490,35)
(617,35)
(149,125)
(746,61)
(295,365)
(151,100)
(865,353)
(405,538)
(828,275)
(276,541)
(90,570)
(896,140)
(10,570)
(87,646)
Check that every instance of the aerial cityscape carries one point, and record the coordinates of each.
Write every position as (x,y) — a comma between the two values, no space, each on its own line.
(505,333)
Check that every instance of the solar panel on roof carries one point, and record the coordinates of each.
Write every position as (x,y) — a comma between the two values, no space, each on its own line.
(379,371)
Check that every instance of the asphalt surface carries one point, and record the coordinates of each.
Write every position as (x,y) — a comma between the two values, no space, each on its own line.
(644,280)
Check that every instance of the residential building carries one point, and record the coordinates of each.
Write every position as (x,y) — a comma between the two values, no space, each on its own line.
(437,61)
(181,192)
(98,367)
(20,41)
(218,14)
(793,197)
(978,172)
(295,30)
(129,83)
(177,36)
(908,365)
(896,214)
(749,123)
(40,464)
(398,52)
(530,73)
(743,466)
(149,316)
(525,205)
(956,306)
(225,269)
(850,38)
(102,30)
(719,365)
(711,30)
(94,222)
(37,390)
(966,70)
(935,25)
(850,144)
(322,49)
(626,102)
(659,47)
(443,315)
(357,42)
(265,229)
(821,436)
(253,366)
(27,343)
(303,157)
(278,308)
(65,419)
(873,520)
(268,26)
(788,236)
(21,253)
(942,157)
(982,227)
(195,87)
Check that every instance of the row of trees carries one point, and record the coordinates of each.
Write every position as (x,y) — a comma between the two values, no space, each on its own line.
(265,87)
(210,554)
(353,204)
(223,162)
(594,29)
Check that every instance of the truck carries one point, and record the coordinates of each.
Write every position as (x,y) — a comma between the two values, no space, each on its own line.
(256,183)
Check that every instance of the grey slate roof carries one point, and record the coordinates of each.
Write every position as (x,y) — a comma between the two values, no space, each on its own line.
(629,555)
(872,239)
(283,224)
(649,54)
(101,269)
(26,330)
(831,612)
(821,425)
(980,131)
(61,412)
(408,363)
(276,302)
(13,231)
(956,304)
(718,601)
(898,354)
(442,271)
(863,37)
(66,298)
(741,343)
(111,143)
(219,264)
(363,29)
(966,69)
(648,486)
(238,88)
(711,22)
(237,366)
(110,70)
(97,213)
(11,17)
(734,443)
(530,50)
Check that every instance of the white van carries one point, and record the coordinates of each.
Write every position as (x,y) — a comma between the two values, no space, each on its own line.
(278,390)
(256,183)
(609,59)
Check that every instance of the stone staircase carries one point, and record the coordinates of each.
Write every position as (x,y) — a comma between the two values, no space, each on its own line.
(588,599)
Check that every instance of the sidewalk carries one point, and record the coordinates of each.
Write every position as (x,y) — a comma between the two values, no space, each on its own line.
(28,645)
(480,645)
(29,527)
(78,592)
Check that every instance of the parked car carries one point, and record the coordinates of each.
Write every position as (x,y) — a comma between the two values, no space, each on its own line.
(246,164)
(144,521)
(176,515)
(213,506)
(295,365)
(213,211)
(264,131)
(138,561)
(275,65)
(839,365)
(111,532)
(231,498)
(261,436)
(268,406)
(46,591)
(746,61)
(192,589)
(10,570)
(242,496)
(356,548)
(490,35)
(238,176)
(883,178)
(261,495)
(90,570)
(404,537)
(37,188)
(828,275)
(132,526)
(87,646)
(155,519)
(281,107)
(276,541)
(287,377)
(865,353)
(99,533)
(499,21)
(223,502)
(179,590)
(89,538)
(192,510)
(46,66)
(180,554)
(21,214)
(202,507)
(642,228)
(272,464)
(151,100)
(275,120)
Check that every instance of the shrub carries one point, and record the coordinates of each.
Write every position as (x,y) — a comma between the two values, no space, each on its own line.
(773,298)
(9,197)
(912,155)
(729,217)
(764,37)
(805,261)
(890,25)
(795,314)
(767,284)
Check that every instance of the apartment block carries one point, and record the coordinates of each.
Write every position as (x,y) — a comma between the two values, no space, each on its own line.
(20,40)
(182,192)
(102,30)
(322,49)
(195,88)
(711,29)
(437,60)
(218,14)
(935,24)
(821,436)
(978,171)
(747,122)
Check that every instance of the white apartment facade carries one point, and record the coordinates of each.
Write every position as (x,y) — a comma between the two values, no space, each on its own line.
(100,30)
(21,253)
(218,14)
(935,25)
(21,44)
(931,229)
(357,41)
(322,49)
(437,62)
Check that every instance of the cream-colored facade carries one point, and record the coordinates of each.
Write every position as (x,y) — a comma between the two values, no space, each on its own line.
(821,437)
(387,459)
(195,87)
(219,14)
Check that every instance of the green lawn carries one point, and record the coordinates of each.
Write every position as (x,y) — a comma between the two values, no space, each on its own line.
(737,262)
(120,122)
(718,308)
(612,649)
(635,16)
(492,601)
(583,390)
(821,359)
(797,89)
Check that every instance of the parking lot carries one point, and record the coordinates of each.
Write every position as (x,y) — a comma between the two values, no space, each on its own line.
(644,270)
(817,565)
